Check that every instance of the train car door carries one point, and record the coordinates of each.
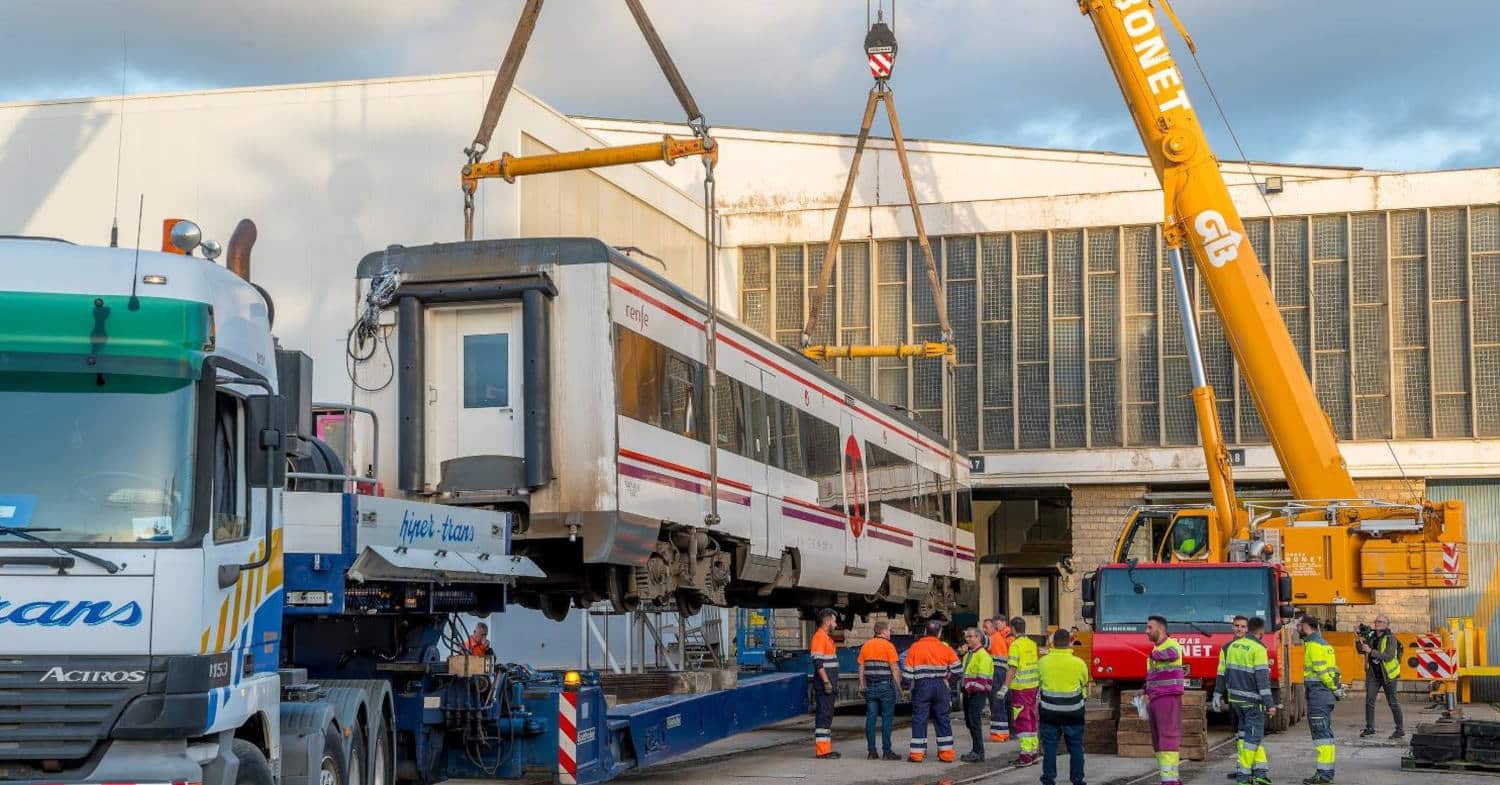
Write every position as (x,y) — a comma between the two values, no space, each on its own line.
(856,496)
(474,384)
(763,506)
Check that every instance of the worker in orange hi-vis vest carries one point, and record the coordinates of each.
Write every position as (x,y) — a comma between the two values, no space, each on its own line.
(1000,636)
(930,665)
(825,672)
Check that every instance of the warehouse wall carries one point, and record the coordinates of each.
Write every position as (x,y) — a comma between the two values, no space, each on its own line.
(1099,513)
(328,171)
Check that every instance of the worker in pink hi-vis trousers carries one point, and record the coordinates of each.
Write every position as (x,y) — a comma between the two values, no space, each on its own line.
(1165,679)
(1022,679)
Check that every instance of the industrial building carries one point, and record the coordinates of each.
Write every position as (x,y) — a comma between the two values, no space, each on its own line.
(1073,387)
(1072,383)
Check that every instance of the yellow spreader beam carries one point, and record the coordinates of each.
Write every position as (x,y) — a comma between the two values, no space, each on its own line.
(928,349)
(510,166)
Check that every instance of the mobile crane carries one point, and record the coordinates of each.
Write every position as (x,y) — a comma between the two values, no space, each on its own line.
(1201,565)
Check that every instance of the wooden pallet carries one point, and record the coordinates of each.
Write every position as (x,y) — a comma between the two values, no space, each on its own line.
(1456,766)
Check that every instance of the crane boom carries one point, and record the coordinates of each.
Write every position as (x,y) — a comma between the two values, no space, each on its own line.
(1201,216)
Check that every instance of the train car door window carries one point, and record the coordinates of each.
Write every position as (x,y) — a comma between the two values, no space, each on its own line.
(487,371)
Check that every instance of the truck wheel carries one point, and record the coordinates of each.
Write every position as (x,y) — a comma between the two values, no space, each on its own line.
(254,768)
(357,762)
(380,765)
(333,768)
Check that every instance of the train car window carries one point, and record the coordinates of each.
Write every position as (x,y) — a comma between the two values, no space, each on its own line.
(680,407)
(821,446)
(487,371)
(729,405)
(892,478)
(640,376)
(788,450)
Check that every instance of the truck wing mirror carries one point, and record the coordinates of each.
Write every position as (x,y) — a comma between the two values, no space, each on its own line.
(1090,587)
(1284,587)
(1088,611)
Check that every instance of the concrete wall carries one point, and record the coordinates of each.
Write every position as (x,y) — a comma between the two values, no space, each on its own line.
(1098,513)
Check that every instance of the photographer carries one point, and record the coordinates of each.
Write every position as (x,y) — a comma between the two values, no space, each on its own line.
(1382,653)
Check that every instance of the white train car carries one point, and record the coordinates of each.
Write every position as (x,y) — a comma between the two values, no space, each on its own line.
(566,381)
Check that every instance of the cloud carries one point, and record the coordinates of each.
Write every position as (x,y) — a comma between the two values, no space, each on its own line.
(1312,82)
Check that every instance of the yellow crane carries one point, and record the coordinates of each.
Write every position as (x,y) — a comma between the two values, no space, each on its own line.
(1338,547)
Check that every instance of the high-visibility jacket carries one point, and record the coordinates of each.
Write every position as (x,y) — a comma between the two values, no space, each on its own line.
(1065,682)
(825,657)
(1023,657)
(1320,668)
(1386,657)
(930,658)
(979,672)
(1165,675)
(1000,643)
(878,657)
(1245,674)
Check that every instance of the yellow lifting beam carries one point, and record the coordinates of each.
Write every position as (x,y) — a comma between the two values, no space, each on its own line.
(509,167)
(929,349)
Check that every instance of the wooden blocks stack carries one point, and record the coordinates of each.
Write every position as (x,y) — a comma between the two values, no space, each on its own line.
(1134,733)
(1099,731)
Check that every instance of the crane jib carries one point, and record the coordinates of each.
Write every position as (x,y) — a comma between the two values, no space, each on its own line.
(1151,50)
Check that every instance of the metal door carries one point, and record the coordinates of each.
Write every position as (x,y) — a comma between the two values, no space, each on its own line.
(475,384)
(1030,597)
(764,450)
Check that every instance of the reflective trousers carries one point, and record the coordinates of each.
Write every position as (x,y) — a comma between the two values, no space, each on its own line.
(1250,757)
(930,699)
(1320,724)
(999,716)
(1164,714)
(1024,719)
(823,715)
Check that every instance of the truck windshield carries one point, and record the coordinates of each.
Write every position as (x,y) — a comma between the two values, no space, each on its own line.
(102,458)
(1209,597)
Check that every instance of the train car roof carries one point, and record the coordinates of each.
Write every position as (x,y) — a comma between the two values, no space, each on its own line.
(480,259)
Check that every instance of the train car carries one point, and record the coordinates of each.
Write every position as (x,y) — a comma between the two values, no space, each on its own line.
(567,382)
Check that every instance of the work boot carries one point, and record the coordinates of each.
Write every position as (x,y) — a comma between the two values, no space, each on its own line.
(1367,732)
(834,755)
(972,757)
(1318,779)
(872,755)
(1260,779)
(889,755)
(1399,734)
(999,738)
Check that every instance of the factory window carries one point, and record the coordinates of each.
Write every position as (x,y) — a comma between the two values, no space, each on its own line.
(1070,337)
(487,371)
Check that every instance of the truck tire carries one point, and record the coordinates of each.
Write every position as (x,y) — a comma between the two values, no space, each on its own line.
(357,758)
(383,761)
(333,767)
(254,769)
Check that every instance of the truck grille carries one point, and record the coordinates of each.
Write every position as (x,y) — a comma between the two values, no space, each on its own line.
(59,707)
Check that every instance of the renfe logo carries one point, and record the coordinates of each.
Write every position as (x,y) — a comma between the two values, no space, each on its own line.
(1221,242)
(62,613)
(638,315)
(93,677)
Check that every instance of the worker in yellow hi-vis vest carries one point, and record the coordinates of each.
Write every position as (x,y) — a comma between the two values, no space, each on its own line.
(1320,675)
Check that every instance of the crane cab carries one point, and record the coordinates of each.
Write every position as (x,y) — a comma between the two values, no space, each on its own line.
(1169,534)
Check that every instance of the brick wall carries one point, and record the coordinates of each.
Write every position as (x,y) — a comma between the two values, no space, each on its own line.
(1098,513)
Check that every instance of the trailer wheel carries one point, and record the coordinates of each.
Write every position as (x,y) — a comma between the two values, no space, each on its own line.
(333,768)
(381,772)
(254,769)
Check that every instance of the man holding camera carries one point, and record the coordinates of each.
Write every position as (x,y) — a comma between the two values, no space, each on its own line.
(1382,653)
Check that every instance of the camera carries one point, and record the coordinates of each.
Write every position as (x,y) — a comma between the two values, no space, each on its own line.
(1366,633)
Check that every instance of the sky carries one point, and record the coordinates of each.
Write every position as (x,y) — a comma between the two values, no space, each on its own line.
(1381,84)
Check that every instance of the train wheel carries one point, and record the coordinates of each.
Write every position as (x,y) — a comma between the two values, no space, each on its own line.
(688,604)
(554,606)
(621,585)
